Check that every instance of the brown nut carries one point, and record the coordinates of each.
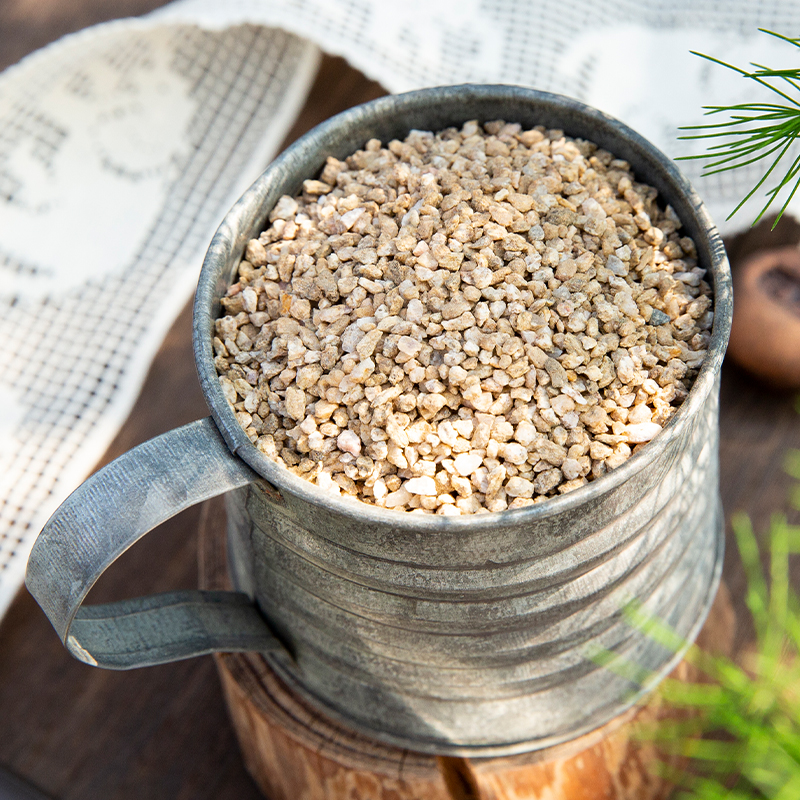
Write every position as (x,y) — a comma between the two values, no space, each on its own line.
(765,337)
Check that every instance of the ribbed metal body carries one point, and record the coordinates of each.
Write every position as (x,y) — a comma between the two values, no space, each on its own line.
(472,635)
(451,640)
(475,635)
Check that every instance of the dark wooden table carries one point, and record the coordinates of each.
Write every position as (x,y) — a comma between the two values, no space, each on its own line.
(78,732)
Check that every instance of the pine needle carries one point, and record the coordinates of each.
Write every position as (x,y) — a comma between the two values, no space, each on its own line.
(756,131)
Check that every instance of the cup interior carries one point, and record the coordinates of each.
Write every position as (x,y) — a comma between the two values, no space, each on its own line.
(435,109)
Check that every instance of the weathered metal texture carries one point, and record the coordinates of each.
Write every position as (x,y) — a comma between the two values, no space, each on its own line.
(108,513)
(473,635)
(477,639)
(467,635)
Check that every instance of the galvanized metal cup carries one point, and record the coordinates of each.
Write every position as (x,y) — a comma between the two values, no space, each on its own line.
(467,635)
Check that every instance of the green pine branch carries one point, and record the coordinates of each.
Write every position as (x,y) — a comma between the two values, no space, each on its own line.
(756,131)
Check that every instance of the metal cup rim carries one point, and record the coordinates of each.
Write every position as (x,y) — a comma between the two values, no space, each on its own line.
(228,244)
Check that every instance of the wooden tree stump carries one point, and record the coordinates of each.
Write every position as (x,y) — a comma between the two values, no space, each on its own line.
(294,752)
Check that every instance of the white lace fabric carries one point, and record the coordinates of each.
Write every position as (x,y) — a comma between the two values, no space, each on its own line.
(122,147)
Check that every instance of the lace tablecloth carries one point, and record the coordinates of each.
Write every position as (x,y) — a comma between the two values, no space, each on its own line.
(121,148)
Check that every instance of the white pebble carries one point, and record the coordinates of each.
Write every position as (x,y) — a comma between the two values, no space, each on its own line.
(228,389)
(562,404)
(592,208)
(457,375)
(349,218)
(571,468)
(626,303)
(626,370)
(514,452)
(640,413)
(295,403)
(327,483)
(285,208)
(483,402)
(642,432)
(362,370)
(351,337)
(398,499)
(252,401)
(447,433)
(330,314)
(409,346)
(482,277)
(617,266)
(650,386)
(570,420)
(249,300)
(526,433)
(308,425)
(464,427)
(348,442)
(467,463)
(449,510)
(469,505)
(421,485)
(519,487)
(472,392)
(414,311)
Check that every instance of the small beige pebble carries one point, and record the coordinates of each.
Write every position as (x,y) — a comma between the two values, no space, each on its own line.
(642,432)
(422,485)
(348,442)
(398,499)
(295,403)
(249,299)
(467,463)
(526,433)
(519,487)
(255,253)
(640,413)
(379,491)
(463,323)
(571,468)
(408,345)
(562,404)
(514,453)
(449,510)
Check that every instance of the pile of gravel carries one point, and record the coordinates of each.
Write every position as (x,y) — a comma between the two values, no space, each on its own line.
(467,321)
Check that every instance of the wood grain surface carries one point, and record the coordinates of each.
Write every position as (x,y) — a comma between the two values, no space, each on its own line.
(81,733)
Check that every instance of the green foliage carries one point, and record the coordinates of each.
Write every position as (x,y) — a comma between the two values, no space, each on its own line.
(756,131)
(743,741)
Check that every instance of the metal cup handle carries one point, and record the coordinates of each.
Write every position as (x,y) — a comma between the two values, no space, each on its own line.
(102,518)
